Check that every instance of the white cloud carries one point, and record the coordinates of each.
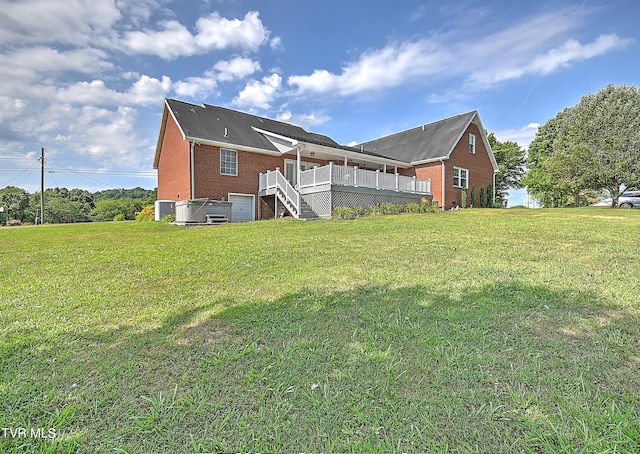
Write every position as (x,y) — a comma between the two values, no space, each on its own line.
(216,32)
(535,46)
(24,66)
(259,94)
(522,136)
(512,66)
(223,71)
(148,90)
(236,68)
(572,50)
(172,41)
(63,21)
(194,87)
(308,121)
(276,43)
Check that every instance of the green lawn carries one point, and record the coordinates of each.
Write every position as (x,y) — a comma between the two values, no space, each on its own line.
(478,330)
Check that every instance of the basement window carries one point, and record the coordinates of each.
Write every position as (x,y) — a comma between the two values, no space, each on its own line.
(472,143)
(228,162)
(460,178)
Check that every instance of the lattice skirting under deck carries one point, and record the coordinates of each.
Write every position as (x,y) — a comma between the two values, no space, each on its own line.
(325,201)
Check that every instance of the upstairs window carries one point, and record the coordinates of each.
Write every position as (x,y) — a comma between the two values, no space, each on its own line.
(460,178)
(228,162)
(472,143)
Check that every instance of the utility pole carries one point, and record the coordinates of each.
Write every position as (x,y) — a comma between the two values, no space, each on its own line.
(42,187)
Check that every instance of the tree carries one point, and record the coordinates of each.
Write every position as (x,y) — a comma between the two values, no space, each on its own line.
(599,140)
(108,209)
(538,180)
(15,202)
(511,159)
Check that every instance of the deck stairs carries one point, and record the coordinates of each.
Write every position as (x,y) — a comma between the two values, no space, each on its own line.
(291,199)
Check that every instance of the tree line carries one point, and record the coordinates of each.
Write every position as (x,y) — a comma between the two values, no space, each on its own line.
(62,205)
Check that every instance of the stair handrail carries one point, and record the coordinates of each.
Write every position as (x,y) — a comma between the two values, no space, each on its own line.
(289,192)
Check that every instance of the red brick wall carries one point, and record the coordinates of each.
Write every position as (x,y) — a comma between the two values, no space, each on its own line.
(211,184)
(478,165)
(433,171)
(174,182)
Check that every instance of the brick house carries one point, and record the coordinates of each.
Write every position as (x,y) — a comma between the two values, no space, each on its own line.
(267,168)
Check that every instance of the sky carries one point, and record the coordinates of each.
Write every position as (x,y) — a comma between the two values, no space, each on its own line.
(86,79)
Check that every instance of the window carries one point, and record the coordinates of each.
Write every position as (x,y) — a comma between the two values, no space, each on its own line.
(460,177)
(472,143)
(228,162)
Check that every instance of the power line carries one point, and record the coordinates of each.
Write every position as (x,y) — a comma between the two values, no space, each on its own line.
(17,176)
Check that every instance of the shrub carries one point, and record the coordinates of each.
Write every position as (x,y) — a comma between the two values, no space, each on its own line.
(383,209)
(146,214)
(168,218)
(347,213)
(119,217)
(419,208)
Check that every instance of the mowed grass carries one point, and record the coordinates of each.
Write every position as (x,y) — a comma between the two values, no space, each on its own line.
(478,330)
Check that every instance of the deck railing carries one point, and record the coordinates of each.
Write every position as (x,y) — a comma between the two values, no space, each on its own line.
(353,176)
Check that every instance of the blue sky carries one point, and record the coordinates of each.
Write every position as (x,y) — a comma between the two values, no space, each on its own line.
(86,79)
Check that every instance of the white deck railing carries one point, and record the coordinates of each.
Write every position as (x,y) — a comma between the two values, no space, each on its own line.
(352,176)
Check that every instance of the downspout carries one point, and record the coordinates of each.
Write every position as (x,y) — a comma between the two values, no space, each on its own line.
(444,175)
(299,159)
(494,189)
(192,170)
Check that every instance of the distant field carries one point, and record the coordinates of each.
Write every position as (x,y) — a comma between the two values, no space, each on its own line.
(476,330)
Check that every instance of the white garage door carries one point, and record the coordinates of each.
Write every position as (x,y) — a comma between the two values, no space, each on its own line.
(242,208)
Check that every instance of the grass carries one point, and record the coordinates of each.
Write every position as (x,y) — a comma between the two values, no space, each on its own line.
(477,330)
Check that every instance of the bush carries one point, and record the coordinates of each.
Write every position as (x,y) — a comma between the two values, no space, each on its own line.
(146,214)
(168,218)
(383,209)
(119,217)
(419,208)
(347,213)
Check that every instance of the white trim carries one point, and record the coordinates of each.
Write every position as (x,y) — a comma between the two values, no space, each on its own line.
(253,203)
(466,179)
(429,161)
(485,141)
(237,164)
(472,143)
(293,142)
(232,146)
(192,168)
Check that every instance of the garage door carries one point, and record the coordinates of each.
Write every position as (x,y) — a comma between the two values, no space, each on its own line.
(242,208)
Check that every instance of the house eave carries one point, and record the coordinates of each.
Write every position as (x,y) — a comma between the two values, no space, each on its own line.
(232,146)
(430,160)
(340,154)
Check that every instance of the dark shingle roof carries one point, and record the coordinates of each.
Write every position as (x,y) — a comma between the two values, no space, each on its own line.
(208,122)
(431,141)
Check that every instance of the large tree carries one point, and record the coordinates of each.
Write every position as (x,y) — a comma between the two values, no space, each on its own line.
(510,158)
(538,180)
(598,143)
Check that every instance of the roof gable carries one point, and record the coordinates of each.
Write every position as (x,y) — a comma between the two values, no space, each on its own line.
(427,142)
